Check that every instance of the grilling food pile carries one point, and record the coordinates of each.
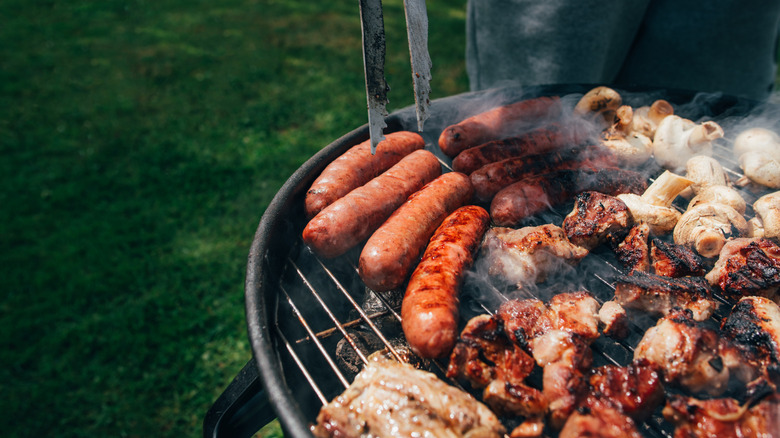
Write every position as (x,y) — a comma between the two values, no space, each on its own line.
(645,190)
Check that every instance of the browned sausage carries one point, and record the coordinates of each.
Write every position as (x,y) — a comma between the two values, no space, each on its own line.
(497,123)
(492,178)
(357,166)
(545,139)
(390,253)
(534,195)
(351,219)
(430,307)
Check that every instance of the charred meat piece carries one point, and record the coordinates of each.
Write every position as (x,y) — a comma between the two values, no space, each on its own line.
(634,252)
(614,319)
(599,422)
(486,358)
(524,320)
(635,390)
(747,267)
(686,353)
(575,312)
(723,417)
(389,398)
(658,295)
(672,260)
(526,255)
(595,218)
(752,352)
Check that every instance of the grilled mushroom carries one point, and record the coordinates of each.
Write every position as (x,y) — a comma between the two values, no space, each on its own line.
(677,140)
(706,227)
(654,205)
(632,148)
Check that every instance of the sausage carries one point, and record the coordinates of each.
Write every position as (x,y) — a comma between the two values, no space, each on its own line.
(357,166)
(429,312)
(351,219)
(545,139)
(496,123)
(534,195)
(390,253)
(491,178)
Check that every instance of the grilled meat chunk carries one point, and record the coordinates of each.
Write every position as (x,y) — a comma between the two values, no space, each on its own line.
(659,295)
(615,319)
(672,260)
(723,417)
(486,358)
(635,390)
(599,422)
(752,350)
(595,218)
(686,353)
(747,267)
(634,251)
(389,398)
(527,255)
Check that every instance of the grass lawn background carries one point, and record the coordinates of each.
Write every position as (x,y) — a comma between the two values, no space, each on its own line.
(141,142)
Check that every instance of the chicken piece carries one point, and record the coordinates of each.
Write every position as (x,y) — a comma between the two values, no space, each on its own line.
(635,390)
(575,312)
(486,357)
(767,209)
(671,260)
(659,295)
(706,227)
(614,319)
(527,255)
(752,350)
(719,195)
(634,252)
(677,140)
(686,353)
(723,417)
(595,218)
(747,266)
(389,398)
(524,320)
(599,422)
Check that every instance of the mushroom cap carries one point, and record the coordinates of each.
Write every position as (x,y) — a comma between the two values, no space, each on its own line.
(756,140)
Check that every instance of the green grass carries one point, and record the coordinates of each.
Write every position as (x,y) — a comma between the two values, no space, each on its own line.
(141,142)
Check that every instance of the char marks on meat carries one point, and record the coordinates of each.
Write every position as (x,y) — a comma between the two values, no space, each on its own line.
(672,260)
(686,353)
(527,255)
(595,218)
(389,398)
(634,251)
(659,295)
(747,267)
(723,417)
(599,422)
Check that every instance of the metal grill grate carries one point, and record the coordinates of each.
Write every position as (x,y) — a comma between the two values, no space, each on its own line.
(323,310)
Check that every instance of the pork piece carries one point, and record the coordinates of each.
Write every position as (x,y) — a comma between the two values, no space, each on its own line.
(614,319)
(672,260)
(752,350)
(559,336)
(723,417)
(486,358)
(599,422)
(659,295)
(634,251)
(686,353)
(595,218)
(635,390)
(527,255)
(747,267)
(389,398)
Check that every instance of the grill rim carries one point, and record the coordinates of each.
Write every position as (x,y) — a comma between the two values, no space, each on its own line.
(262,270)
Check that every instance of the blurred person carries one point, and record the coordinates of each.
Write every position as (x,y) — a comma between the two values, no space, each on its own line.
(711,45)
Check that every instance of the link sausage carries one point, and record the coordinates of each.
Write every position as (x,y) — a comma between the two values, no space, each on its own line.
(351,219)
(429,310)
(497,123)
(357,166)
(390,253)
(534,195)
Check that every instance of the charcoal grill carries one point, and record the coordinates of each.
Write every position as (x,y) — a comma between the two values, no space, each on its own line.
(301,309)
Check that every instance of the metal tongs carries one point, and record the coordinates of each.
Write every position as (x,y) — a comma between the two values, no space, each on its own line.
(372,23)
